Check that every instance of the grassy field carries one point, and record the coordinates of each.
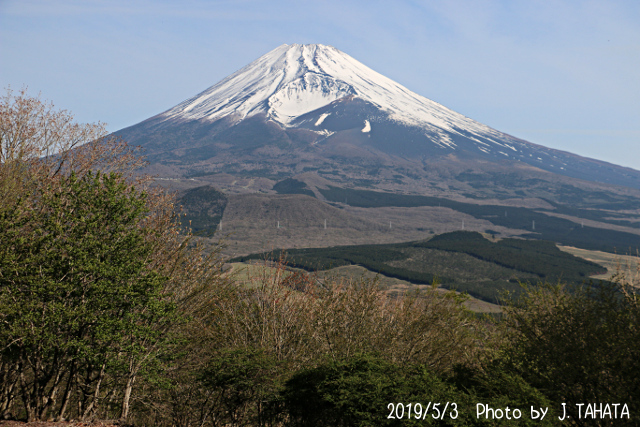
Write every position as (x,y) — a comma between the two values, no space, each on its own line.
(247,273)
(614,263)
(257,222)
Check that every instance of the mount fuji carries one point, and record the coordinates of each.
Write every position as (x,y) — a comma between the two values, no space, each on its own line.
(314,109)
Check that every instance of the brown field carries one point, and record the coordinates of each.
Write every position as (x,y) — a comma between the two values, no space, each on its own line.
(257,222)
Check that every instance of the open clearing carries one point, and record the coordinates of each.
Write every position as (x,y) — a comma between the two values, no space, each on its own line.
(629,265)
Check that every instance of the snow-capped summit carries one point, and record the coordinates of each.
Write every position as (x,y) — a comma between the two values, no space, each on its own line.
(316,101)
(287,82)
(296,79)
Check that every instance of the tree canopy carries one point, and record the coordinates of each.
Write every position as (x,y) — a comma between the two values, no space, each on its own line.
(95,276)
(76,291)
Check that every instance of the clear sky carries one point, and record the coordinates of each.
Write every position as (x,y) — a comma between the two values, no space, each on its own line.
(560,73)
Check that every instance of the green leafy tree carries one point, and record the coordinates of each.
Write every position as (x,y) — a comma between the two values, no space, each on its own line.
(78,299)
(99,289)
(243,381)
(357,391)
(577,346)
(368,390)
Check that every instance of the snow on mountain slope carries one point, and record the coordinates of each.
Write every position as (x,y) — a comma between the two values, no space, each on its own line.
(292,80)
(317,99)
(283,84)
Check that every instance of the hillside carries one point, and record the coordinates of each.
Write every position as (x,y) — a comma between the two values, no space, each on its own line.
(325,215)
(314,109)
(316,136)
(257,222)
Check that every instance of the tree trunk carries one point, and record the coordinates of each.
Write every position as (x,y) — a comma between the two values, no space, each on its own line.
(49,402)
(96,394)
(26,399)
(127,396)
(9,381)
(7,398)
(67,395)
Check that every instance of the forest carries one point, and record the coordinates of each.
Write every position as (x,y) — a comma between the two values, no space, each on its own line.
(111,310)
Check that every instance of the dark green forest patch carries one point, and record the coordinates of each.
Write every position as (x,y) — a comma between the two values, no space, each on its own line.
(202,209)
(292,186)
(461,260)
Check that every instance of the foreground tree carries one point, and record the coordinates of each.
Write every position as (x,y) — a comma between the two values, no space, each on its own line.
(94,273)
(39,143)
(367,389)
(77,295)
(579,346)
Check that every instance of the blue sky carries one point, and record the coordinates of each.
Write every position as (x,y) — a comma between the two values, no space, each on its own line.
(564,74)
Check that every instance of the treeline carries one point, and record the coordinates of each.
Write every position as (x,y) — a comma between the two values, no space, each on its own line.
(566,195)
(292,186)
(607,215)
(376,259)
